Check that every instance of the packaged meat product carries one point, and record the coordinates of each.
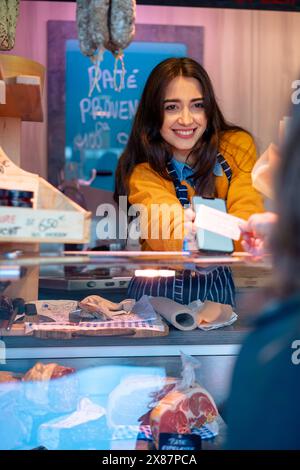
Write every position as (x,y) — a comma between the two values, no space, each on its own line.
(15,422)
(132,399)
(182,410)
(51,387)
(46,372)
(186,406)
(84,429)
(264,171)
(6,377)
(8,382)
(101,307)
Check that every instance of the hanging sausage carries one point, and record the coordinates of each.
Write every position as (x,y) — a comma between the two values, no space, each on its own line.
(9,11)
(105,24)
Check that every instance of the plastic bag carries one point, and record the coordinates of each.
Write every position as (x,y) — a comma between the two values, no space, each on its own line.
(184,408)
(264,170)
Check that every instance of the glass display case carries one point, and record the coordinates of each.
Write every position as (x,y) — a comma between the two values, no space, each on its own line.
(89,386)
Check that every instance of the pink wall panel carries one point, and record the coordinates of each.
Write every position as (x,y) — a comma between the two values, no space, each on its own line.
(31,42)
(245,53)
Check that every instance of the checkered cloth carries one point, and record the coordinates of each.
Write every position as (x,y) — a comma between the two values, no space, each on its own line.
(83,326)
(143,432)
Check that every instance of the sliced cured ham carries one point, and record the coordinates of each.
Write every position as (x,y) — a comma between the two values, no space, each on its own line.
(181,411)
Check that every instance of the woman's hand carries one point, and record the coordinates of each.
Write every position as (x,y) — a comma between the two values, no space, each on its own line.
(256,233)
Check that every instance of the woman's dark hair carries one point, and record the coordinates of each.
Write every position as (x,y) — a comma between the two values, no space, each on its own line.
(145,143)
(285,242)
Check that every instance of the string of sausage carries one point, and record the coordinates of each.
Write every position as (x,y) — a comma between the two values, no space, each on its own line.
(9,11)
(105,24)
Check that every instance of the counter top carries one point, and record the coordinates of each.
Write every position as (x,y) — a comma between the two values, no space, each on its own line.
(222,341)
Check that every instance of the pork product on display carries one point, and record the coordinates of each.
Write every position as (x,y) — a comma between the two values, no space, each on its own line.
(6,377)
(47,394)
(130,401)
(46,372)
(179,411)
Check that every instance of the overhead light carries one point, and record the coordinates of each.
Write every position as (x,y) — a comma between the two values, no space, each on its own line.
(154,273)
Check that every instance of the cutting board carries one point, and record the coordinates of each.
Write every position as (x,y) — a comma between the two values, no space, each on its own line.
(19,330)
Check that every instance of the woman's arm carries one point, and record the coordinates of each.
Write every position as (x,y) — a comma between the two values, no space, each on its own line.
(163,225)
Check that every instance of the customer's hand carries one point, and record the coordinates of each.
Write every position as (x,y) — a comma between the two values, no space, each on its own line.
(190,229)
(256,233)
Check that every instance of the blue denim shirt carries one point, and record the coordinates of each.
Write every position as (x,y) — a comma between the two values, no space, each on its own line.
(185,172)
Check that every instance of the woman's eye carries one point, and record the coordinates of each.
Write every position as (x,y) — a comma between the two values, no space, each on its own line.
(170,107)
(199,105)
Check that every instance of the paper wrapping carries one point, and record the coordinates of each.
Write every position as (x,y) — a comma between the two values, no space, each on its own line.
(207,315)
(178,315)
(264,170)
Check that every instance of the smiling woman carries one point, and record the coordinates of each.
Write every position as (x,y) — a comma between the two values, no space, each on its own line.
(185,120)
(181,146)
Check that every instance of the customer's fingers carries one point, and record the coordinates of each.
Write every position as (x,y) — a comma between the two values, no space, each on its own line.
(190,229)
(189,215)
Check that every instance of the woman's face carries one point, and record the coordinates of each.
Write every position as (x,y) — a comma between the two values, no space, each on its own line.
(184,116)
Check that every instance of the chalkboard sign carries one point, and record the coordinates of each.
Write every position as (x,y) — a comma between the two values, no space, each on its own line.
(62,106)
(99,118)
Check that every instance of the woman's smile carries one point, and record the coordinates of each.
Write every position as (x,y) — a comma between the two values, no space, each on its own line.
(184,133)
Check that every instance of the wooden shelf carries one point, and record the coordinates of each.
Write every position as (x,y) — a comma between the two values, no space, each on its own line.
(12,66)
(54,217)
(21,87)
(23,100)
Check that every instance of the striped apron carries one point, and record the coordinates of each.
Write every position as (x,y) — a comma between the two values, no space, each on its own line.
(214,283)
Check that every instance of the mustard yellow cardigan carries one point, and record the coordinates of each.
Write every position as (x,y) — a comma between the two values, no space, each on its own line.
(148,187)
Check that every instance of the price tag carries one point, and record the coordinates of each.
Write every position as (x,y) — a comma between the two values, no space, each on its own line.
(172,441)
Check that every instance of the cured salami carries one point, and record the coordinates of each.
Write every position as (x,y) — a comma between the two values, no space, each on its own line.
(99,24)
(106,24)
(87,46)
(9,11)
(121,24)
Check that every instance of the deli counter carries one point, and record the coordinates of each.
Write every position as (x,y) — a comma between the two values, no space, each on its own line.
(111,374)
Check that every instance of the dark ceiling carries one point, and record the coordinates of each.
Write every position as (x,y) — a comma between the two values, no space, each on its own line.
(280,5)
